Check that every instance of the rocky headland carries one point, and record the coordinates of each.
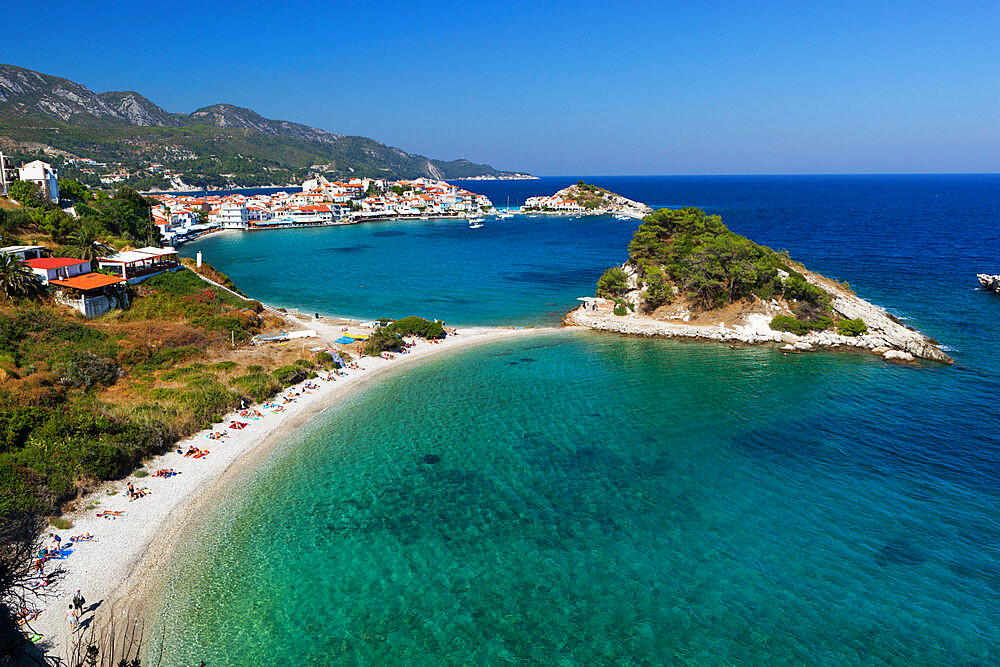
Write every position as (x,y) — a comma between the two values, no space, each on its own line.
(688,276)
(584,199)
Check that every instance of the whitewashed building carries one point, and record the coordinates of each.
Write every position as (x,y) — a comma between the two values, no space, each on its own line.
(45,176)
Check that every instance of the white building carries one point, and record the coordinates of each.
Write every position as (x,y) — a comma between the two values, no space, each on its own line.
(24,251)
(8,174)
(45,176)
(57,268)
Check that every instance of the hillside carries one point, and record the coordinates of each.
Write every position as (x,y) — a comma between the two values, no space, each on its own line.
(215,146)
(689,275)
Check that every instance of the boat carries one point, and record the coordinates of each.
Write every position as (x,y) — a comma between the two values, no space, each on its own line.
(475,225)
(473,221)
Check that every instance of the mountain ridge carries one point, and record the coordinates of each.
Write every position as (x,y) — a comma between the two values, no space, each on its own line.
(129,128)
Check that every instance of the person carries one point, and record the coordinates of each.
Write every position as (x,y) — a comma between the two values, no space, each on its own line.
(78,601)
(73,617)
(131,491)
(56,541)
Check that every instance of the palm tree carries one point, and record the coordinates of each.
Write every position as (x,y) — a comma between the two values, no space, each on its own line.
(16,279)
(87,243)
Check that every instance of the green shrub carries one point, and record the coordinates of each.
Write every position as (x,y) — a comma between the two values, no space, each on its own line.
(789,324)
(382,340)
(854,327)
(17,489)
(418,326)
(258,386)
(140,473)
(303,363)
(85,369)
(224,366)
(324,358)
(614,282)
(105,461)
(60,523)
(621,310)
(289,375)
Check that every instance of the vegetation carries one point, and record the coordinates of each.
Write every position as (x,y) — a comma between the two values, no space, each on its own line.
(16,279)
(25,193)
(688,253)
(614,282)
(855,327)
(390,336)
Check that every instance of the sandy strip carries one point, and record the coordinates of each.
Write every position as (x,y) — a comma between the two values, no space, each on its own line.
(120,567)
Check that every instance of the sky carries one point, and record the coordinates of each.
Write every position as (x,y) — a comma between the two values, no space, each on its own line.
(566,88)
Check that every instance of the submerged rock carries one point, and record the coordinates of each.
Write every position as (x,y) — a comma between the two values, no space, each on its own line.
(430,459)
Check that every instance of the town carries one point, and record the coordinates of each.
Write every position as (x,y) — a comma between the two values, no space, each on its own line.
(321,202)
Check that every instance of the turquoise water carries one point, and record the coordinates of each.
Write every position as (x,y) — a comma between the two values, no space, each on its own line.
(783,525)
(602,500)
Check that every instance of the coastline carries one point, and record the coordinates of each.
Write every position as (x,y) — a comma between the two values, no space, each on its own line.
(123,567)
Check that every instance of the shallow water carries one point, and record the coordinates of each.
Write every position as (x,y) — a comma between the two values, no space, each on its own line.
(609,500)
(578,512)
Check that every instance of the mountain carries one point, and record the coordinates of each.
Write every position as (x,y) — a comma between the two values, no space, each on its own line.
(135,109)
(215,146)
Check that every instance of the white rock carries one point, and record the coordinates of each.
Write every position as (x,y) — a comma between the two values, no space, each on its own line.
(897,355)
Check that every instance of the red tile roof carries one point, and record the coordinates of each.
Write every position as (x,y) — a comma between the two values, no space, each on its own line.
(54,262)
(88,281)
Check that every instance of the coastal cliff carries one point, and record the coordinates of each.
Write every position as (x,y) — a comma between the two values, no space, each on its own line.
(689,276)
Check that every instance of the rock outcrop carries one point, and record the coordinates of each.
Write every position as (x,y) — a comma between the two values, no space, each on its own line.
(886,336)
(989,282)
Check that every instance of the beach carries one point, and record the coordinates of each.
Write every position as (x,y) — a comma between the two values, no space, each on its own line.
(118,569)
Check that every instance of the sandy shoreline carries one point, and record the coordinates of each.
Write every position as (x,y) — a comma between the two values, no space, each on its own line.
(121,568)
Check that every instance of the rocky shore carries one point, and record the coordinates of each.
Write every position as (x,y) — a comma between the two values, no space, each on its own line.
(886,335)
(989,282)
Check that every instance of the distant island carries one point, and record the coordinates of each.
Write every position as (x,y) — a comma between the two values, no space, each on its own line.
(122,138)
(688,275)
(584,199)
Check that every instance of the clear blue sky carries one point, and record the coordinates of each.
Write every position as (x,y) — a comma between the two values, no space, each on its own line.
(566,88)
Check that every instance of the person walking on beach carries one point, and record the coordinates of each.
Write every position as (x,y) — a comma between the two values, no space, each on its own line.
(73,618)
(78,601)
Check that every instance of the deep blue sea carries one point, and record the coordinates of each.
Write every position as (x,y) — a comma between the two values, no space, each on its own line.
(606,500)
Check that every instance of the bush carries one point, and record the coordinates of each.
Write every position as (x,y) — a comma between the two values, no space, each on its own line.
(789,324)
(140,473)
(85,369)
(258,386)
(612,283)
(382,340)
(60,523)
(621,310)
(324,358)
(418,326)
(104,460)
(289,375)
(854,327)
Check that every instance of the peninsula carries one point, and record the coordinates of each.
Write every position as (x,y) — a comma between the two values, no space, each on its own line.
(585,199)
(689,276)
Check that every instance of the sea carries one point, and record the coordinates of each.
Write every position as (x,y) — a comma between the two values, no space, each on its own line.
(580,498)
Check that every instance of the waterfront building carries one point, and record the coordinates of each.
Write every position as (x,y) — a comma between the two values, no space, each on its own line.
(138,265)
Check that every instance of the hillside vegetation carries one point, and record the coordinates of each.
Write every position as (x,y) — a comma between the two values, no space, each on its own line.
(216,146)
(685,255)
(84,401)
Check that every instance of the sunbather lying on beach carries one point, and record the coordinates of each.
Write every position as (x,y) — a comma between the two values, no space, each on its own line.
(86,537)
(192,450)
(26,616)
(277,410)
(165,472)
(139,493)
(217,435)
(237,425)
